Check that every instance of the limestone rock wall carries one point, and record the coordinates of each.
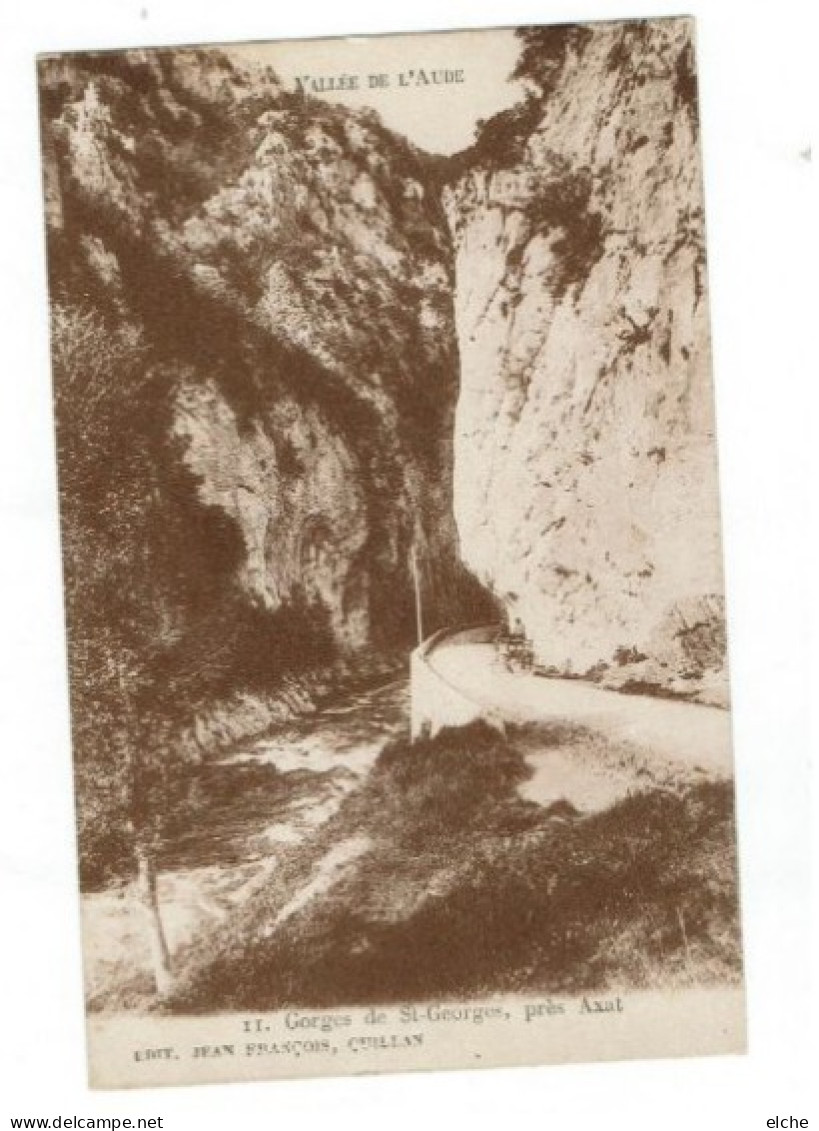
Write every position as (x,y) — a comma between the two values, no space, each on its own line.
(585,474)
(289,268)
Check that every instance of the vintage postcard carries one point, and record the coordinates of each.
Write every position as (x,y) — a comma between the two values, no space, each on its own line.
(391,537)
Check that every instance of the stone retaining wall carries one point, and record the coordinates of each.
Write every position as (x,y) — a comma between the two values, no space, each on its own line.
(435,701)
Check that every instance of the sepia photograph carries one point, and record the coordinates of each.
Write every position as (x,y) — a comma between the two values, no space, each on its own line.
(392,561)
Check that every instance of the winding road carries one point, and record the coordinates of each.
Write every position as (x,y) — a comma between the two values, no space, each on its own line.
(689,734)
(320,759)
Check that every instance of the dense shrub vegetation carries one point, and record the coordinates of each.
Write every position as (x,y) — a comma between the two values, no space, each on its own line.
(467,889)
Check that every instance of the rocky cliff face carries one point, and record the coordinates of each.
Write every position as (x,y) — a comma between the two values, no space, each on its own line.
(309,305)
(290,275)
(585,478)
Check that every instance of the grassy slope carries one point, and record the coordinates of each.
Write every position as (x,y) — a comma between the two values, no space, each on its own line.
(463,888)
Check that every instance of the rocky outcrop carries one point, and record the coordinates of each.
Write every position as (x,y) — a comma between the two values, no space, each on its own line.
(290,271)
(585,476)
(292,486)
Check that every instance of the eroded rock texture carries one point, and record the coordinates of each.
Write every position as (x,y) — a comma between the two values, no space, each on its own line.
(585,476)
(288,269)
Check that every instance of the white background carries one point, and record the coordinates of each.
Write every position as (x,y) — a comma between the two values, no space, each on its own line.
(755,61)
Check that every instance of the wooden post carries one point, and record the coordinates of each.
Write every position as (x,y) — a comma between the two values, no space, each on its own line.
(144,854)
(157,943)
(419,622)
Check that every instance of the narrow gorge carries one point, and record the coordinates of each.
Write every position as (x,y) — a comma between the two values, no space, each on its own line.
(319,392)
(376,460)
